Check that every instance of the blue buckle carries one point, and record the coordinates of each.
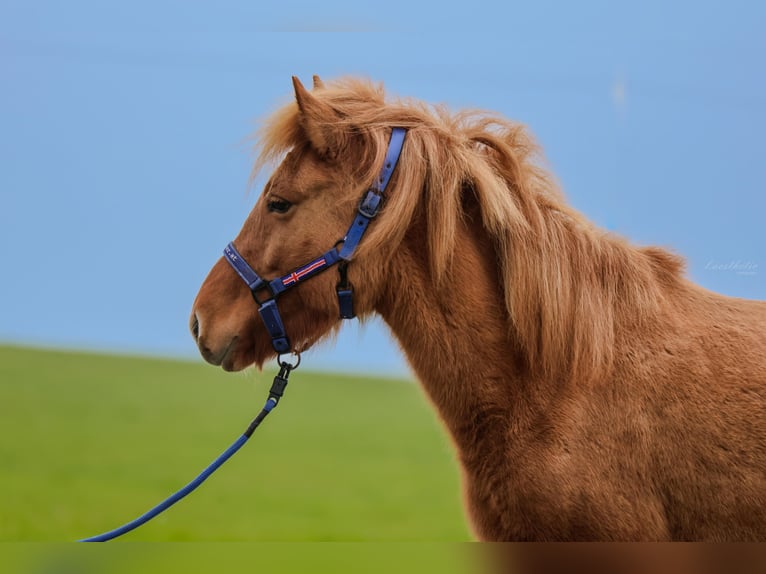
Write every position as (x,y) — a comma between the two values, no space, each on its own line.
(370,203)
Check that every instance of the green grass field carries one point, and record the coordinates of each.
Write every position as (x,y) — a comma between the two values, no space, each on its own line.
(88,442)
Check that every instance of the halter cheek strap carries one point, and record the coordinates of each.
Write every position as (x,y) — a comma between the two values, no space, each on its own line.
(368,209)
(370,204)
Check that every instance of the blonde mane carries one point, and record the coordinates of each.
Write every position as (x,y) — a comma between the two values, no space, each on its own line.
(568,285)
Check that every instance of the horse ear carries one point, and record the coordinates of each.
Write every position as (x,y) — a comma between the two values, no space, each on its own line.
(319,121)
(318,83)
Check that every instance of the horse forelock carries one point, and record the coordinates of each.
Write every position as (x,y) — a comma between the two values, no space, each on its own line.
(566,283)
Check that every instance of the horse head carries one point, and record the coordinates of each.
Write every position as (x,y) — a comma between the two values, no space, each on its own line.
(328,160)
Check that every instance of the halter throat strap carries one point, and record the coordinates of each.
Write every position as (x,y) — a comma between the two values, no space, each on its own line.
(369,206)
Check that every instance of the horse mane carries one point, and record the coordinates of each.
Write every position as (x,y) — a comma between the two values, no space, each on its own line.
(567,284)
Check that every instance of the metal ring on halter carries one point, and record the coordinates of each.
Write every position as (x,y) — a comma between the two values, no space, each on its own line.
(287,364)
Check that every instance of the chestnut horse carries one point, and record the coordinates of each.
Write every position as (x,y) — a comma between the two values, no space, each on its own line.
(591,390)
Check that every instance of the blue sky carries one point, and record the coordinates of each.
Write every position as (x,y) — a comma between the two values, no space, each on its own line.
(124,157)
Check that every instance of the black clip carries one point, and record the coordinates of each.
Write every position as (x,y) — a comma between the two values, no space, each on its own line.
(345,293)
(280,382)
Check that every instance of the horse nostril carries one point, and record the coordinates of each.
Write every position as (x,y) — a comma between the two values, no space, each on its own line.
(195,327)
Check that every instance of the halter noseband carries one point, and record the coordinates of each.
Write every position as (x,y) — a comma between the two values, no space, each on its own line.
(368,209)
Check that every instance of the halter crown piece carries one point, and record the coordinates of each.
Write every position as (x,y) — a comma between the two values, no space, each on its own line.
(368,209)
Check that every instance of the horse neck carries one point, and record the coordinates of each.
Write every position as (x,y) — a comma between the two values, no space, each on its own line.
(464,348)
(456,337)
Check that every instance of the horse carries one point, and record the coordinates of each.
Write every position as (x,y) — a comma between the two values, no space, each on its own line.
(590,389)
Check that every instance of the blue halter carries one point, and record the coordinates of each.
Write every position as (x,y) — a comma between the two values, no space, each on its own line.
(368,209)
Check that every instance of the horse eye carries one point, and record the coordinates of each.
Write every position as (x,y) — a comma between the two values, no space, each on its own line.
(279,205)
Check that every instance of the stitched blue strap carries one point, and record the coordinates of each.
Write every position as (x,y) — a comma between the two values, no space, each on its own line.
(233,258)
(392,157)
(273,322)
(370,204)
(354,235)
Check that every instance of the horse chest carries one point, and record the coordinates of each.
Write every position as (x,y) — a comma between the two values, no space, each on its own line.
(556,491)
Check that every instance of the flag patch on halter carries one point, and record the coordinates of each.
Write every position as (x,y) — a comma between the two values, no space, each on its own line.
(304,272)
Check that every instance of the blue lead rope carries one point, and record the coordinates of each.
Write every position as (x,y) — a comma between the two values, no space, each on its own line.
(171,500)
(275,393)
